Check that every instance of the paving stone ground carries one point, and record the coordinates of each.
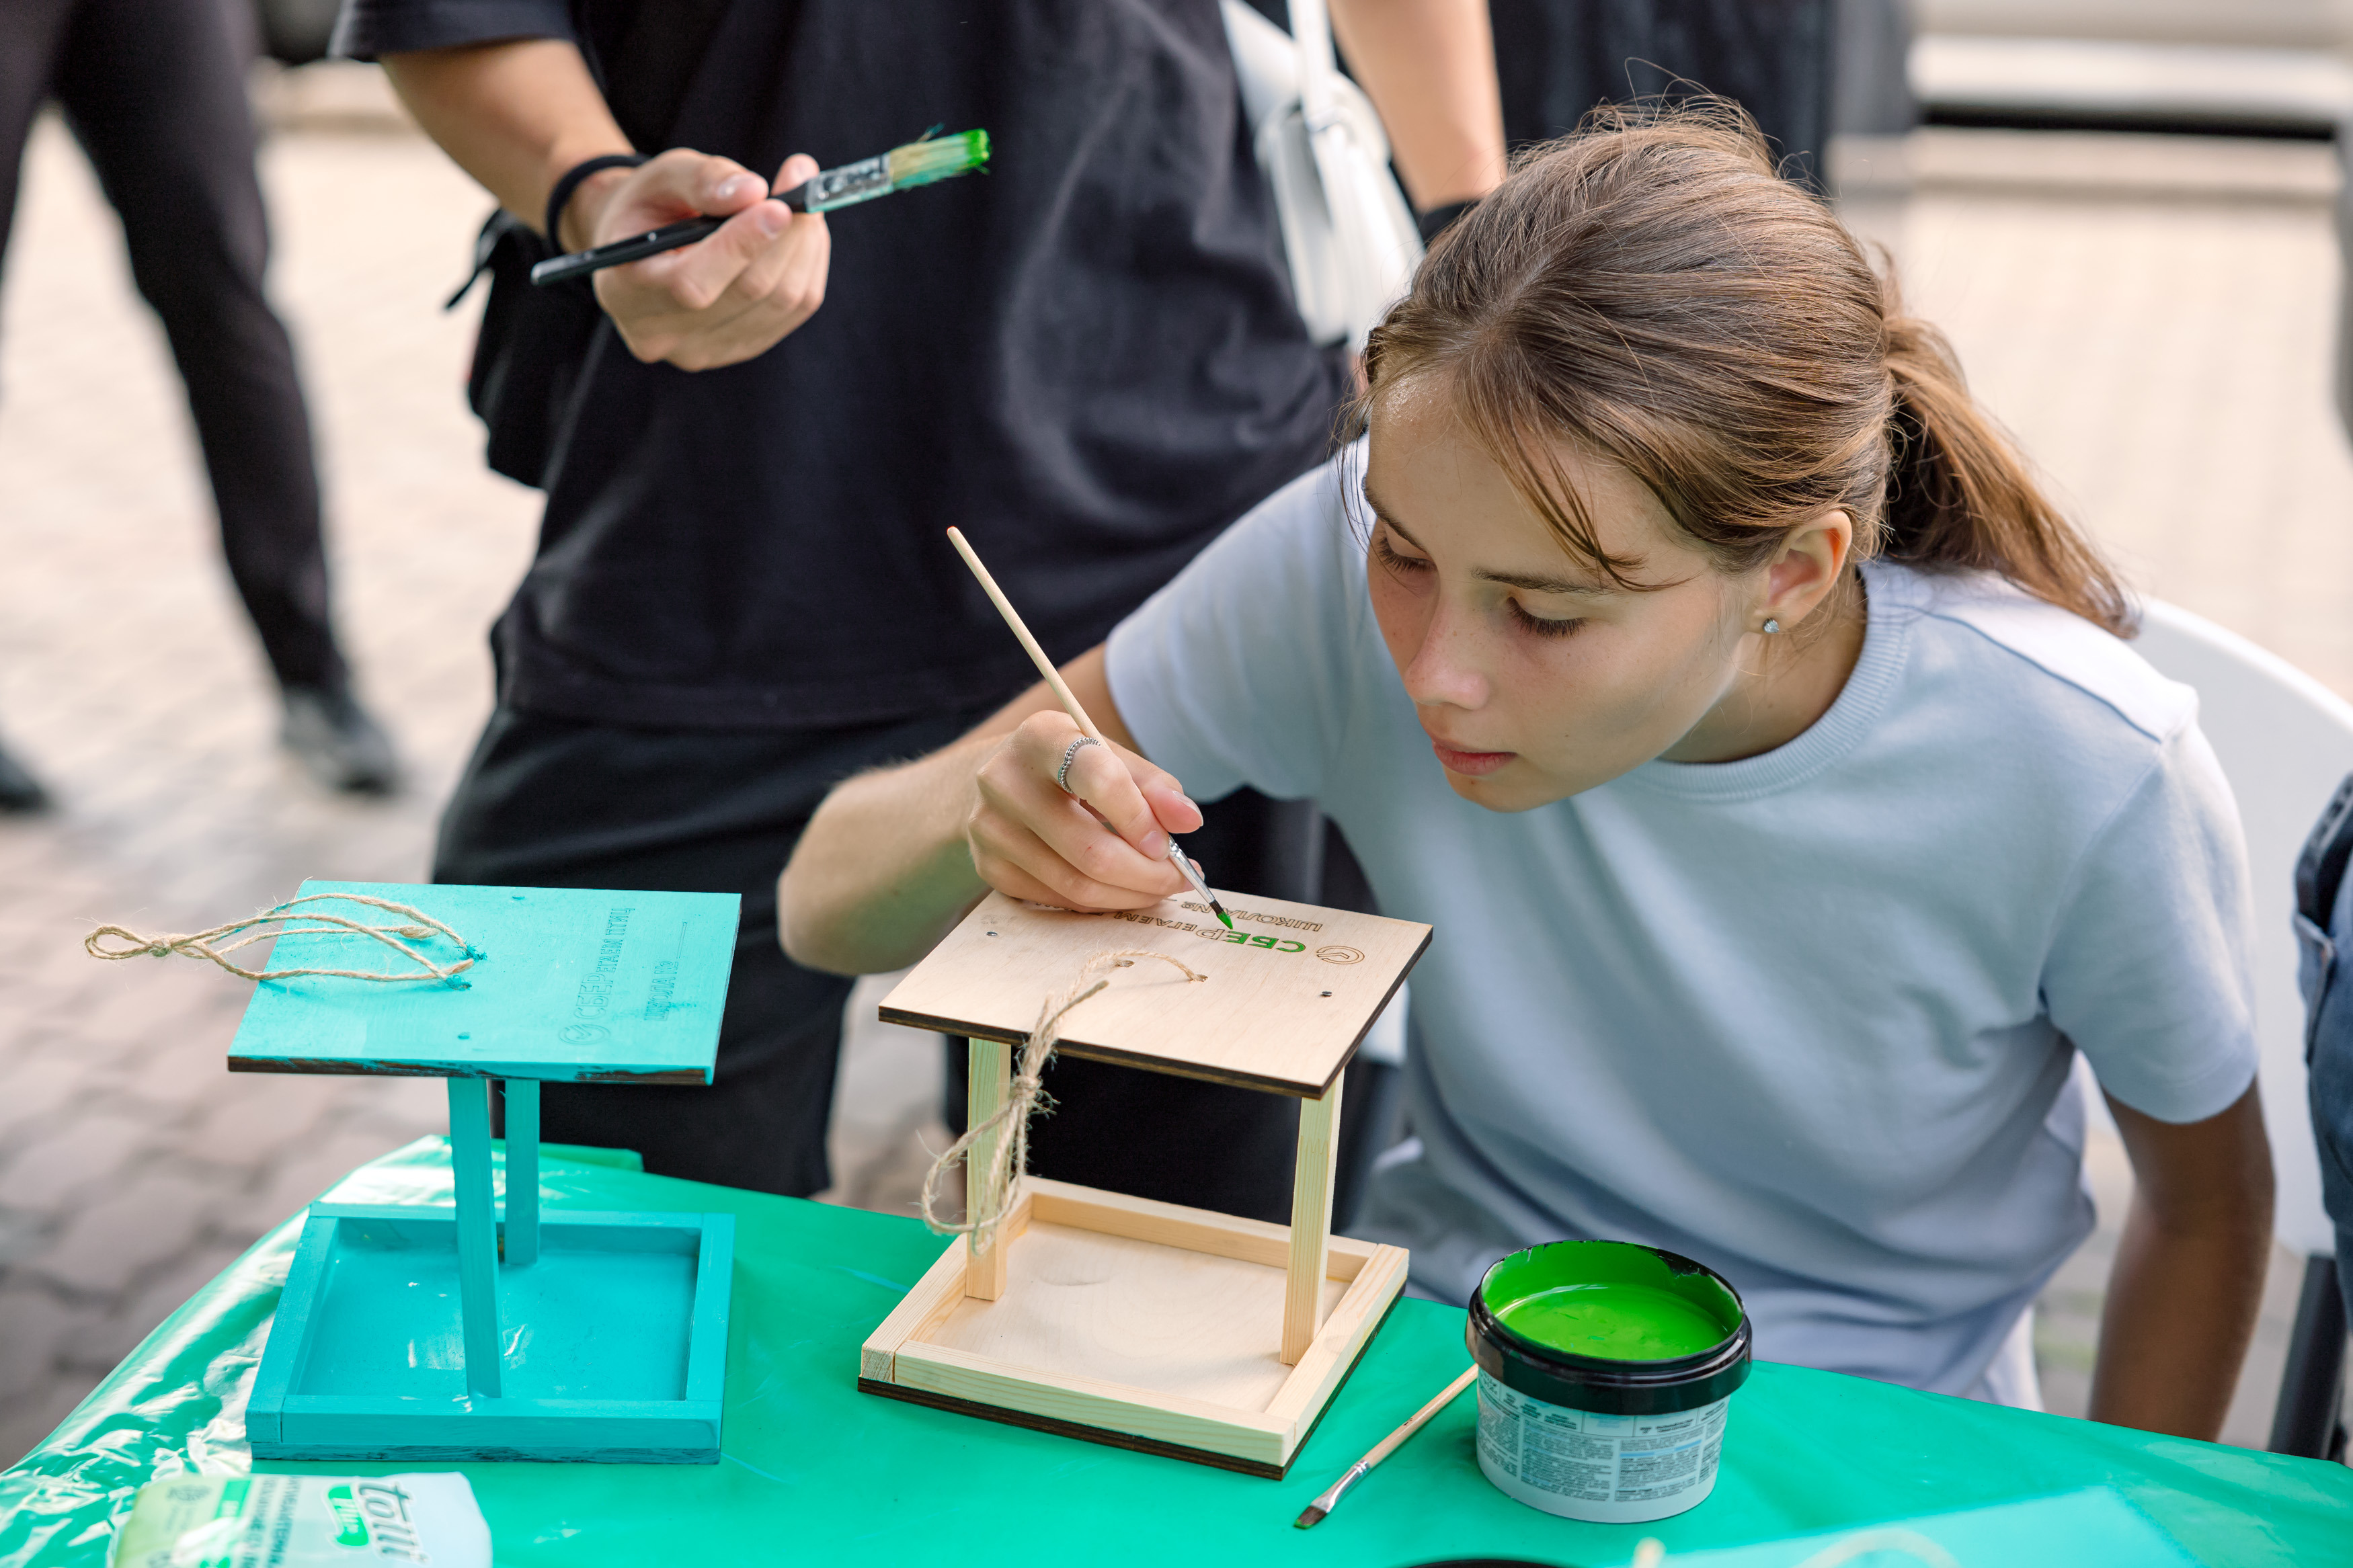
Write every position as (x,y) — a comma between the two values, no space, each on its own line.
(2152,320)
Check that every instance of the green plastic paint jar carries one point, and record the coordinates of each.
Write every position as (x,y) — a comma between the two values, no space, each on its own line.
(1604,1369)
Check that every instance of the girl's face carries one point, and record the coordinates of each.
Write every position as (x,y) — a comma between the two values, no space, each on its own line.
(1534,676)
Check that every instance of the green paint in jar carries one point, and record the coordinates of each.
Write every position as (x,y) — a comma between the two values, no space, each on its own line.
(1616,1321)
(1605,1372)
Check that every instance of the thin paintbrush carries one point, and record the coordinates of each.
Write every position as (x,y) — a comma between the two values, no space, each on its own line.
(1069,703)
(916,163)
(1316,1510)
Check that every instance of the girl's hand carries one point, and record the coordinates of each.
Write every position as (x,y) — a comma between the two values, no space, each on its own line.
(1102,846)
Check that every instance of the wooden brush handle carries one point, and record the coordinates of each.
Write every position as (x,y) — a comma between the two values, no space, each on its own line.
(1388,1445)
(1029,643)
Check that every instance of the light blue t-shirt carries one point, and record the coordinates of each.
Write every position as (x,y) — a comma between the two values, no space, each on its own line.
(1804,1017)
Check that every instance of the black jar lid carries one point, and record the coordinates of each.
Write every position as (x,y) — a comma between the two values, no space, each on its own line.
(1603,1385)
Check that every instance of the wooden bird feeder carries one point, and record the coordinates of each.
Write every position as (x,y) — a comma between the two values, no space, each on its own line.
(1149,1325)
(432,1333)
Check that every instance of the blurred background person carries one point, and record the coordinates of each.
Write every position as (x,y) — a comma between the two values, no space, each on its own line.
(154,91)
(1089,358)
(1557,58)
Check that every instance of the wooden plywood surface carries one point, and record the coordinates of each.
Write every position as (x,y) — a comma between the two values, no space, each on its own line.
(1136,1313)
(1290,993)
(570,983)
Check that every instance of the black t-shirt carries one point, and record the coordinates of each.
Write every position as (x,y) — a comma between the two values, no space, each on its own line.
(1086,357)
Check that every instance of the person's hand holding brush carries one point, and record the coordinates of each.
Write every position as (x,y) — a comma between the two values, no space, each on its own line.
(723,299)
(519,115)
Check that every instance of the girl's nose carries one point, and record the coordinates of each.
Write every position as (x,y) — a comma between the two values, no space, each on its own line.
(1446,670)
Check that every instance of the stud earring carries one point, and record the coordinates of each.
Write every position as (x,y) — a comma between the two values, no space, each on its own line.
(1769,627)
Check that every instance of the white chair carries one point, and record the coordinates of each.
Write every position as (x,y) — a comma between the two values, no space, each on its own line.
(2285,742)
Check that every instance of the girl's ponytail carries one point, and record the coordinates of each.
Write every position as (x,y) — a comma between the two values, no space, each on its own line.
(1960,496)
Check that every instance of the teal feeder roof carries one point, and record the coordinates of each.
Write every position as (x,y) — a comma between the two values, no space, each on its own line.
(568,984)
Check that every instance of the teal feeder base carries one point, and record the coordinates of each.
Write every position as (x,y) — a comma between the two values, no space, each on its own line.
(614,1345)
(415,1335)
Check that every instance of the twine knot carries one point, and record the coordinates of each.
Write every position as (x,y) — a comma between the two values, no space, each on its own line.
(1010,1157)
(199,944)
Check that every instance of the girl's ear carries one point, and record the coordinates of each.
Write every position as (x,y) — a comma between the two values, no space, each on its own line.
(1806,568)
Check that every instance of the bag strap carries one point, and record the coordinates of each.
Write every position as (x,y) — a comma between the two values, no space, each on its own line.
(1310,32)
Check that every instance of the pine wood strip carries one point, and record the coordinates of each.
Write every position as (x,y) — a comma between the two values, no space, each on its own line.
(1307,1392)
(1173,1225)
(1310,1221)
(930,1299)
(1084,1433)
(1088,1402)
(989,1075)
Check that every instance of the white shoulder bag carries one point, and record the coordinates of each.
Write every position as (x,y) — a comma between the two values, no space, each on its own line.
(1348,233)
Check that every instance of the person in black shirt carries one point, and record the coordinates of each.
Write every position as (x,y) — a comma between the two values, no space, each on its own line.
(1087,357)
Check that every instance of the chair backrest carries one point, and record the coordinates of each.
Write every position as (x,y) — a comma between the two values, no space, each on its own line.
(2284,740)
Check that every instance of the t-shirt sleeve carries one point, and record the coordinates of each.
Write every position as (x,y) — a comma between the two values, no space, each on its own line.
(1245,668)
(368,30)
(2150,972)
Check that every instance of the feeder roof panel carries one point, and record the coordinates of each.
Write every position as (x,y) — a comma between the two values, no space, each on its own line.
(1290,991)
(570,984)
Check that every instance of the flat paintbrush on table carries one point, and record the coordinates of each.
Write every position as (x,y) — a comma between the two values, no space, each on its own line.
(1313,1514)
(1069,703)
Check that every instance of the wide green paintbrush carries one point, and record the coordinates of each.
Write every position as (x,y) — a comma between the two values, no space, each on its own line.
(1069,703)
(917,163)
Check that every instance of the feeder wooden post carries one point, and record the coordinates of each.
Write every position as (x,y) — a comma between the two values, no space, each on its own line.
(522,1172)
(990,1072)
(1310,1221)
(478,1275)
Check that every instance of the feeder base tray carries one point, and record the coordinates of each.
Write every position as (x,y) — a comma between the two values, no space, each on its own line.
(613,1342)
(1140,1324)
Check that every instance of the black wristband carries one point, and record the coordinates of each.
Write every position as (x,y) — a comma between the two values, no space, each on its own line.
(570,182)
(1434,222)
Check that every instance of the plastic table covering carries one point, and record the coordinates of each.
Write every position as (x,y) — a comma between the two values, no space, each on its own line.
(814,1471)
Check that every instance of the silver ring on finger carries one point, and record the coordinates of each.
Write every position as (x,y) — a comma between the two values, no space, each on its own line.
(1070,755)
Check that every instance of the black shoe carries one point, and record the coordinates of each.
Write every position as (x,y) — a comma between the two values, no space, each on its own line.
(337,742)
(20,792)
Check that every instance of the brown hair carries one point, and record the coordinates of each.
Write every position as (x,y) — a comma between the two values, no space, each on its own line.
(1650,288)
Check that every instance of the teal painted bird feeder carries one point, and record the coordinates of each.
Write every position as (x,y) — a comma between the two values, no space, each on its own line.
(477,1332)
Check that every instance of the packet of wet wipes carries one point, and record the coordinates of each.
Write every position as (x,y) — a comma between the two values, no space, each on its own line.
(304,1522)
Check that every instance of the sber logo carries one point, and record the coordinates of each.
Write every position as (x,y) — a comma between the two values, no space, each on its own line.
(1339,955)
(1243,939)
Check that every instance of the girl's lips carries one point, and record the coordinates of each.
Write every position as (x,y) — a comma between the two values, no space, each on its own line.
(1470,764)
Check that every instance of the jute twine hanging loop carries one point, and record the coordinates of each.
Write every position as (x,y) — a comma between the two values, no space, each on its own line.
(419,927)
(1010,1156)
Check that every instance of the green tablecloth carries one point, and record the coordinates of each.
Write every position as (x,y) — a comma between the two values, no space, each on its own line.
(814,1471)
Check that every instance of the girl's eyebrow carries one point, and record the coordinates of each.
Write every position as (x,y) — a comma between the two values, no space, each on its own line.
(1526,583)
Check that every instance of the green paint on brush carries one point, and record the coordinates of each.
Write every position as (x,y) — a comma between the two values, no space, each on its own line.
(1185,865)
(937,158)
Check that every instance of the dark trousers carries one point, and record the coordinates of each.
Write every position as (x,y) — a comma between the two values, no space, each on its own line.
(154,89)
(550,802)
